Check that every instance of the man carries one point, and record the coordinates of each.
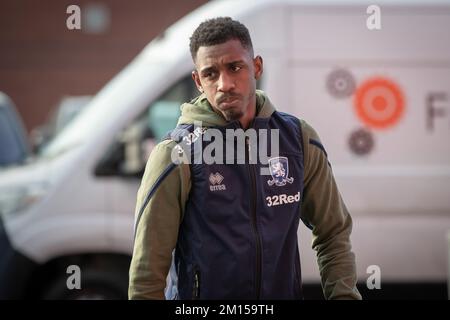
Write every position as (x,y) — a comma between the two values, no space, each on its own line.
(223,229)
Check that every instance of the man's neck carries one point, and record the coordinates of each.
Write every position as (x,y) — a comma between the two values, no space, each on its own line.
(248,117)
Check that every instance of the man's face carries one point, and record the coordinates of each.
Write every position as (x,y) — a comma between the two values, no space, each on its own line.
(227,74)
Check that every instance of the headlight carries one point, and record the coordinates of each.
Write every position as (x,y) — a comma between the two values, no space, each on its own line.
(16,199)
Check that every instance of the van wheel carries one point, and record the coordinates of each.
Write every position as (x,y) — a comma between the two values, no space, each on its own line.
(95,285)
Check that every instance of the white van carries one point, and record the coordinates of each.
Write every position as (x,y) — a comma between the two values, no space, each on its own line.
(378,98)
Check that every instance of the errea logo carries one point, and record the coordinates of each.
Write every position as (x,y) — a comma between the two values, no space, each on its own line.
(215,180)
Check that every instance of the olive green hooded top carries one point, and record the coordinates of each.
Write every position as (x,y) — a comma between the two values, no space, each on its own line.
(322,209)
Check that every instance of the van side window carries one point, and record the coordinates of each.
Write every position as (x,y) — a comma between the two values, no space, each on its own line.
(130,151)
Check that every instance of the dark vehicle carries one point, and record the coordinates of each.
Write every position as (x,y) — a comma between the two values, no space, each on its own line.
(14,146)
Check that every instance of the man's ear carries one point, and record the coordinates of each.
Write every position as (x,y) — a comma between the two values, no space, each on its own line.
(258,65)
(196,79)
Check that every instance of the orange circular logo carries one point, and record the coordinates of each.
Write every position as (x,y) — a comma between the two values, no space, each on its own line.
(379,103)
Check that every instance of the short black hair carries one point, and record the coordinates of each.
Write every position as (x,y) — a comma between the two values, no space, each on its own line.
(219,30)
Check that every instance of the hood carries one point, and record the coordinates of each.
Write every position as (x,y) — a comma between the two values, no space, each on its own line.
(199,109)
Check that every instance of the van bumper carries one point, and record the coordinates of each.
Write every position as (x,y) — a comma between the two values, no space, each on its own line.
(15,269)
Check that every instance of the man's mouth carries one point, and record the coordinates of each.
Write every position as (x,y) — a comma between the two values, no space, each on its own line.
(228,103)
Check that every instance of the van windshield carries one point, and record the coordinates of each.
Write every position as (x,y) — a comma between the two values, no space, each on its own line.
(66,111)
(59,143)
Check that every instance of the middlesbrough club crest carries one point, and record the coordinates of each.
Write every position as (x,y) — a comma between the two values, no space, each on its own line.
(279,169)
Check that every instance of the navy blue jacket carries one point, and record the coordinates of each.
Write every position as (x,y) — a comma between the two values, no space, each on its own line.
(238,237)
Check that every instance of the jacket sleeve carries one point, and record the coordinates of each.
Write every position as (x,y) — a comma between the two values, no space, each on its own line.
(324,211)
(159,209)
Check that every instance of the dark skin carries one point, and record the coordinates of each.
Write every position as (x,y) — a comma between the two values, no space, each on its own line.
(227,74)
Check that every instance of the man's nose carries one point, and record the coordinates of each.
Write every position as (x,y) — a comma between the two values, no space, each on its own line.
(225,83)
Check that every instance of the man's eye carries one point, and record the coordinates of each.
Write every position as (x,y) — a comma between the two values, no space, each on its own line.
(236,68)
(209,75)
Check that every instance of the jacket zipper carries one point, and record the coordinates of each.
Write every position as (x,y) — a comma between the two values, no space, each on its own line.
(253,217)
(196,288)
